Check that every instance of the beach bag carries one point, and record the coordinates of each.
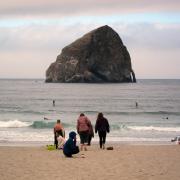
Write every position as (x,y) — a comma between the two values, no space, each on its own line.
(110,148)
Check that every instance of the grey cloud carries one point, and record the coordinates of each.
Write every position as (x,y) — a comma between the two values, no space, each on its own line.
(40,38)
(150,36)
(55,37)
(88,7)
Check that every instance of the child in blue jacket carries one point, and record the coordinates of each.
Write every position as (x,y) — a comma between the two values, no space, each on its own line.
(70,147)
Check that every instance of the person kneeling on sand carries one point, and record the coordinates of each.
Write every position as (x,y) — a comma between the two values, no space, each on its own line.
(70,147)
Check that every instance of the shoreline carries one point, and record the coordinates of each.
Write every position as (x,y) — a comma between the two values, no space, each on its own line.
(108,143)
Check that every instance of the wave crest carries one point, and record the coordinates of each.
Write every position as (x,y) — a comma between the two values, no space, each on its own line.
(14,124)
(153,128)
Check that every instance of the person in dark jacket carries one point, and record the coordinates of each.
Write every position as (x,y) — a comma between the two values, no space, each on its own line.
(70,147)
(102,127)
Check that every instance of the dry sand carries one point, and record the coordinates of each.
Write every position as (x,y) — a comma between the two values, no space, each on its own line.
(125,162)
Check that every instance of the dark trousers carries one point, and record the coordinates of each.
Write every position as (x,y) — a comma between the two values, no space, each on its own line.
(89,140)
(102,138)
(75,151)
(56,134)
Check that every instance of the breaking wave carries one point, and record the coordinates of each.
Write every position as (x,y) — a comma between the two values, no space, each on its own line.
(14,124)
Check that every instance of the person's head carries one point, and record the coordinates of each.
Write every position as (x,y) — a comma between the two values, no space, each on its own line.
(82,114)
(100,115)
(72,135)
(58,121)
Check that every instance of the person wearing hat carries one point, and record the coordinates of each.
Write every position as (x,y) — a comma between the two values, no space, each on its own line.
(70,147)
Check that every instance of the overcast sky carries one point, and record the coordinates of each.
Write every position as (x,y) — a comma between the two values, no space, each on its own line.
(33,32)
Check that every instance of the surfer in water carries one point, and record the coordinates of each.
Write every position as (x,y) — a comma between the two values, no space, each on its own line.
(136,104)
(54,103)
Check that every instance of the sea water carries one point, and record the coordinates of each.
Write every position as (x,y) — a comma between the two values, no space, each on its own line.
(146,111)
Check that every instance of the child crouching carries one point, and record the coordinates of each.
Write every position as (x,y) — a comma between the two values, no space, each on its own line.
(70,147)
(61,142)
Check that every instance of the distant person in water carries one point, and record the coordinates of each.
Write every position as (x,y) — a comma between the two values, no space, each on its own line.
(91,134)
(83,125)
(102,127)
(58,131)
(54,103)
(70,147)
(136,105)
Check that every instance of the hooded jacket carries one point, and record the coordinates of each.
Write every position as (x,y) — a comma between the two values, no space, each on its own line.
(70,145)
(102,125)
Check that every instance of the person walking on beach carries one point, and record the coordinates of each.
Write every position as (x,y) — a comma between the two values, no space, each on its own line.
(58,131)
(83,124)
(102,127)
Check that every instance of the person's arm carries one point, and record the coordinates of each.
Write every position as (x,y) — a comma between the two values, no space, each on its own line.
(88,122)
(107,126)
(77,126)
(63,132)
(96,126)
(92,130)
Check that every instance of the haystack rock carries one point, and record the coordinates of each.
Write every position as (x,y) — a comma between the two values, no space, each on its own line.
(97,57)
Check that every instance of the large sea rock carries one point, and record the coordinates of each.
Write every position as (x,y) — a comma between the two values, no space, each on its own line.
(98,56)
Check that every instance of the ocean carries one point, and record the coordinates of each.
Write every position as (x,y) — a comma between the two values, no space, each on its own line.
(27,114)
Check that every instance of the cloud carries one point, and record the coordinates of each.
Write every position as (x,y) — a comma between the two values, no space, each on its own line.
(24,64)
(151,36)
(81,7)
(155,64)
(53,37)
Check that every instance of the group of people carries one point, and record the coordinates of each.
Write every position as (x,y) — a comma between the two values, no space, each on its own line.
(85,131)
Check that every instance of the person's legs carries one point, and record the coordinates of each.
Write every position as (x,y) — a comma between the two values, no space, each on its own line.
(82,145)
(76,150)
(82,140)
(55,141)
(89,140)
(103,139)
(85,147)
(68,155)
(86,136)
(100,139)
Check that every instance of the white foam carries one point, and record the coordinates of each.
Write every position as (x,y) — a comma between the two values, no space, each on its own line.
(14,124)
(153,128)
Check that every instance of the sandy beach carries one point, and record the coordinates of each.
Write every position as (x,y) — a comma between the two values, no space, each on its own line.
(141,162)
